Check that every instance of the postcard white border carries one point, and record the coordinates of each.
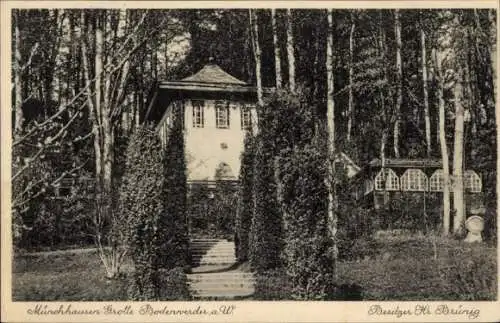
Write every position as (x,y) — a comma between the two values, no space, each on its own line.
(245,311)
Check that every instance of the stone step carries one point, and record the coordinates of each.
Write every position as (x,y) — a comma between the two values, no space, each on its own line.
(221,279)
(225,254)
(204,269)
(214,254)
(214,257)
(224,274)
(215,247)
(221,295)
(227,264)
(220,286)
(222,257)
(219,289)
(210,242)
(224,293)
(222,283)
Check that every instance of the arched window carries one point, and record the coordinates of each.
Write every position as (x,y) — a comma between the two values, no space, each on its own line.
(390,178)
(436,181)
(414,180)
(472,181)
(224,172)
(368,187)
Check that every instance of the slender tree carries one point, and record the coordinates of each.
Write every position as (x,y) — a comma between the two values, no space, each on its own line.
(330,115)
(442,142)
(425,92)
(18,91)
(290,48)
(350,116)
(114,49)
(399,82)
(277,51)
(254,32)
(458,153)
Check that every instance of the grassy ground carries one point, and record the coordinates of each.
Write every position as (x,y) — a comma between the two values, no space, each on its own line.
(422,268)
(70,277)
(403,269)
(407,269)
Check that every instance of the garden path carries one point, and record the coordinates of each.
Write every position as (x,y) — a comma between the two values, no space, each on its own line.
(215,273)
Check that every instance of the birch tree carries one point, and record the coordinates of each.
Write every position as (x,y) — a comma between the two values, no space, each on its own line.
(254,33)
(277,50)
(399,82)
(458,153)
(290,48)
(350,116)
(18,91)
(115,46)
(452,48)
(442,142)
(425,92)
(330,115)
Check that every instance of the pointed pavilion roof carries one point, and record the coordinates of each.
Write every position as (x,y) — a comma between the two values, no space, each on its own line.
(212,73)
(210,78)
(211,81)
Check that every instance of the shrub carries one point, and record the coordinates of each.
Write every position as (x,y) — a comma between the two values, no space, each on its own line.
(272,285)
(411,211)
(284,122)
(303,198)
(222,212)
(470,275)
(175,251)
(174,285)
(142,202)
(355,229)
(212,211)
(245,201)
(266,241)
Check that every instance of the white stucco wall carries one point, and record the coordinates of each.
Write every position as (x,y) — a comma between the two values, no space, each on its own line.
(204,146)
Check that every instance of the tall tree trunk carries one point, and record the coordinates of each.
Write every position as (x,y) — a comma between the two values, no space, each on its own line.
(317,53)
(426,94)
(386,121)
(98,71)
(18,90)
(254,25)
(277,51)
(90,99)
(248,49)
(350,116)
(332,202)
(458,153)
(399,80)
(290,44)
(492,16)
(444,147)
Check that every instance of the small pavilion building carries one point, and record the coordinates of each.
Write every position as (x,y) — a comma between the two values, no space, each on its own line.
(215,109)
(376,186)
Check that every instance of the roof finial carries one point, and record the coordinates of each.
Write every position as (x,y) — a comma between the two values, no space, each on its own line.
(211,60)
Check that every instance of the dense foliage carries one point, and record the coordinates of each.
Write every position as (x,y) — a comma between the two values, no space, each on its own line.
(303,197)
(284,122)
(266,234)
(142,201)
(175,252)
(245,199)
(60,106)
